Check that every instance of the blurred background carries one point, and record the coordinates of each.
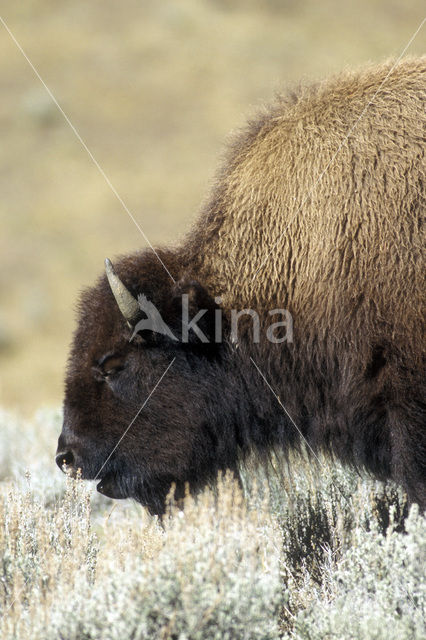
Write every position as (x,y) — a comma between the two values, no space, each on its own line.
(153,87)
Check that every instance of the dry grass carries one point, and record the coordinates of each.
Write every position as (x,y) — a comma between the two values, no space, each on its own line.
(153,87)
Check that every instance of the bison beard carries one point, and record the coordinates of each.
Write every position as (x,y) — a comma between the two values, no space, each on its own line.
(302,219)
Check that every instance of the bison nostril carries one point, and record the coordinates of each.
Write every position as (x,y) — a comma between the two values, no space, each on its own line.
(65,457)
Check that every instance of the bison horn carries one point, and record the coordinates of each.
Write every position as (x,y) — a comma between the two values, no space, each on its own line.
(127,304)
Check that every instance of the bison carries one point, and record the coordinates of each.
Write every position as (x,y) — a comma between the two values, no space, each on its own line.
(310,244)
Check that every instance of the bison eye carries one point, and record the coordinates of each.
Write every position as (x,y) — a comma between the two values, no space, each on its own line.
(109,365)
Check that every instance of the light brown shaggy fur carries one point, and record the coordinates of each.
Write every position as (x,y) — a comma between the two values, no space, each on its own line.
(318,207)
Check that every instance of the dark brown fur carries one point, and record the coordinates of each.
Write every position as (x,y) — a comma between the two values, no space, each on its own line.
(299,218)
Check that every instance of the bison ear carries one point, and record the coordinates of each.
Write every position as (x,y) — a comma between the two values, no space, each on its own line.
(194,315)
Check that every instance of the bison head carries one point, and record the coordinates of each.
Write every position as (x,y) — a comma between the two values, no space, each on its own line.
(144,408)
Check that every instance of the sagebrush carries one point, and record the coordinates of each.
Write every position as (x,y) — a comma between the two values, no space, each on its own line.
(307,550)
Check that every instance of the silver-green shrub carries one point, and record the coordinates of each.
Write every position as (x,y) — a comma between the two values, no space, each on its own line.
(210,571)
(376,590)
(313,551)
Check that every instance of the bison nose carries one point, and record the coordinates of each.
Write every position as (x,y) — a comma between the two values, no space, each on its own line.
(65,457)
